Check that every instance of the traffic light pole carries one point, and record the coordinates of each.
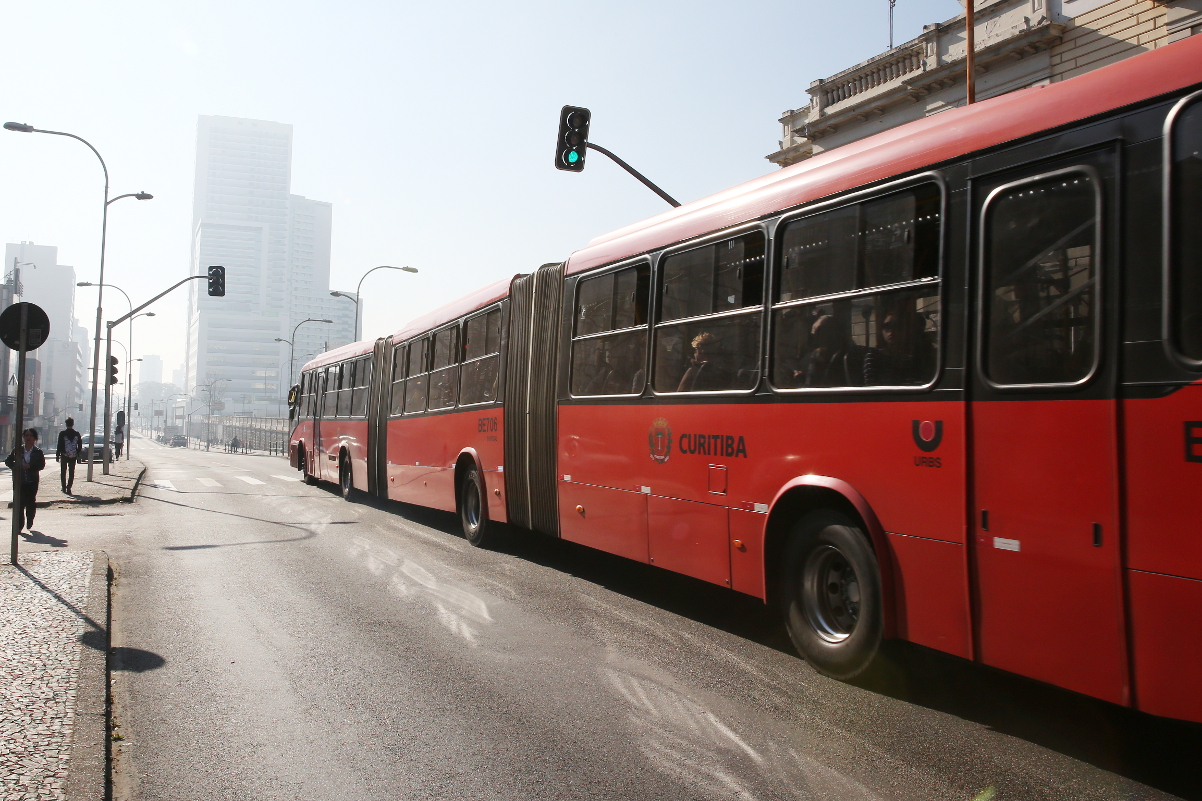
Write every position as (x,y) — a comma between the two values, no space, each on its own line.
(108,394)
(109,349)
(634,172)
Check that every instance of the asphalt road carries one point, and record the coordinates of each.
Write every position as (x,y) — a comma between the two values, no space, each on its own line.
(273,641)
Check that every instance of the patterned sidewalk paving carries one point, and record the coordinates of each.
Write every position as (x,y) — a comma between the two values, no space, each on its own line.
(43,625)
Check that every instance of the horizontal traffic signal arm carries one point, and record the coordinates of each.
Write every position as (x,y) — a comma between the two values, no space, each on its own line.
(170,289)
(572,144)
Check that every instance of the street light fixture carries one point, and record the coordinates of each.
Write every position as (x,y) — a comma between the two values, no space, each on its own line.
(108,399)
(22,127)
(357,295)
(292,345)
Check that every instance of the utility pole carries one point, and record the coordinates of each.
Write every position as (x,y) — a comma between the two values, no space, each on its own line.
(970,44)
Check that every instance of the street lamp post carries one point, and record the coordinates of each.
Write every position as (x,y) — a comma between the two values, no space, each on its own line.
(25,128)
(107,387)
(355,299)
(292,345)
(129,382)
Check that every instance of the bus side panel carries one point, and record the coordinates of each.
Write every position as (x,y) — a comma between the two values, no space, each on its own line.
(927,575)
(1164,476)
(352,435)
(1167,644)
(423,449)
(607,519)
(747,566)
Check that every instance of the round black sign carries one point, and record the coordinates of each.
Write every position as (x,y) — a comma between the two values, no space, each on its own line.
(37,326)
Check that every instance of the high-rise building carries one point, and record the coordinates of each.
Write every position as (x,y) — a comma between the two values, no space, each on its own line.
(62,374)
(151,369)
(275,247)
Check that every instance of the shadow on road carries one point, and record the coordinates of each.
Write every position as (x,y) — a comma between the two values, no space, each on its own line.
(1159,752)
(38,538)
(134,660)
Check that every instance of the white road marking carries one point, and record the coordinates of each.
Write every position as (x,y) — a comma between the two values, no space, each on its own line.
(287,478)
(250,480)
(163,483)
(208,482)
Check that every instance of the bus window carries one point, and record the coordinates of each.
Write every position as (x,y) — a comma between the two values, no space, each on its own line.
(609,350)
(330,398)
(397,389)
(1185,209)
(416,377)
(444,374)
(346,381)
(361,391)
(723,283)
(1039,310)
(865,338)
(482,359)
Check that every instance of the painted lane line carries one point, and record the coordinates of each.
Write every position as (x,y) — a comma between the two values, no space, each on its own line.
(208,482)
(250,480)
(163,483)
(287,478)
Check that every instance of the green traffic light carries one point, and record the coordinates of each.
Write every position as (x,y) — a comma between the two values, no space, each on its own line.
(573,157)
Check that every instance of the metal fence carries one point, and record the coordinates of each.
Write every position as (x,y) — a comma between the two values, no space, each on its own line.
(261,434)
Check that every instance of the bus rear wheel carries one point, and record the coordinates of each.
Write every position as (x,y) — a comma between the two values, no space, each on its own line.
(831,595)
(473,510)
(304,466)
(346,481)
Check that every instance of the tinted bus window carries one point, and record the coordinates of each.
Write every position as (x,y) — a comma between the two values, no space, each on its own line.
(397,390)
(1040,279)
(1185,210)
(444,374)
(865,338)
(719,353)
(609,350)
(346,381)
(416,378)
(330,402)
(361,390)
(482,358)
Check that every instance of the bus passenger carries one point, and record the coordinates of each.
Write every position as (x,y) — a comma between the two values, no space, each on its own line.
(834,360)
(705,373)
(906,355)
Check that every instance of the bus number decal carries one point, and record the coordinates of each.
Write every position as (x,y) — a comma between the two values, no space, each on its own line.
(1193,439)
(487,425)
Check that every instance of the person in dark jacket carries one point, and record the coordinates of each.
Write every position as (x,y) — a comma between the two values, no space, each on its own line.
(30,461)
(70,446)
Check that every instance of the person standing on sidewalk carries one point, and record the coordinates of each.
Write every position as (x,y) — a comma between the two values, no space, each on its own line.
(70,443)
(31,461)
(119,440)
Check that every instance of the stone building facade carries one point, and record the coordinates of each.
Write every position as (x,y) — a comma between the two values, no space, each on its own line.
(1019,43)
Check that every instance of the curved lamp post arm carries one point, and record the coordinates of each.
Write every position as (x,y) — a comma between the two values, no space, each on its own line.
(358,289)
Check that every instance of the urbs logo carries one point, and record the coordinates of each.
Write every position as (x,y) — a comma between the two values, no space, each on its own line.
(659,440)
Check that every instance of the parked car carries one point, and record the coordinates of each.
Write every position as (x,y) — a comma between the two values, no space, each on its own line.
(179,441)
(97,449)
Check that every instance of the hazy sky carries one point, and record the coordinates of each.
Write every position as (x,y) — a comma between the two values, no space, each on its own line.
(430,126)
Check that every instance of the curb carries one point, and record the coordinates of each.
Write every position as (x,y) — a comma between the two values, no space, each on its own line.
(67,504)
(87,765)
(133,492)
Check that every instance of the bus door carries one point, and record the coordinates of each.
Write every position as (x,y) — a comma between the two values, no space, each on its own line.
(1043,425)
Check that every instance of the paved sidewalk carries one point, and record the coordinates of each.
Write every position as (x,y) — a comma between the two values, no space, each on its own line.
(53,645)
(119,485)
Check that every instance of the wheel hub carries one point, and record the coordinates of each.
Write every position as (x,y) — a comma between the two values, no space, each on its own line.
(831,592)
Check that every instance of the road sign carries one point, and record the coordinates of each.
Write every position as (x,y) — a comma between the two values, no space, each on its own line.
(158,412)
(217,406)
(37,326)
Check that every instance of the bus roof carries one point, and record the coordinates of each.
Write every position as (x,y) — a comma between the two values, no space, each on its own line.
(456,308)
(909,148)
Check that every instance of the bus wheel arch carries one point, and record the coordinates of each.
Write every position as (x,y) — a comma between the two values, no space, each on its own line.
(346,477)
(807,495)
(471,501)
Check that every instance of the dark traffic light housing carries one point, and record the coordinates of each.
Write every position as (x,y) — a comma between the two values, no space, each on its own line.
(114,373)
(217,282)
(572,144)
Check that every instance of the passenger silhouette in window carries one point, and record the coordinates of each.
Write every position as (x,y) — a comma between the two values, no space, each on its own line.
(706,372)
(905,356)
(833,360)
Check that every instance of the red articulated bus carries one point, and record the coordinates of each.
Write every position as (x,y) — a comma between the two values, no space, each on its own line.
(941,385)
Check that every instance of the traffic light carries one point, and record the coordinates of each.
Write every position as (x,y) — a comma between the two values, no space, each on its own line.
(572,144)
(217,282)
(114,373)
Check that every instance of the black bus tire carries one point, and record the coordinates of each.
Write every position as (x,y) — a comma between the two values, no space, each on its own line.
(346,479)
(831,595)
(304,467)
(473,509)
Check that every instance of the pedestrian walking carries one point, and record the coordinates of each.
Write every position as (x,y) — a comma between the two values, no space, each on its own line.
(70,443)
(30,461)
(119,440)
